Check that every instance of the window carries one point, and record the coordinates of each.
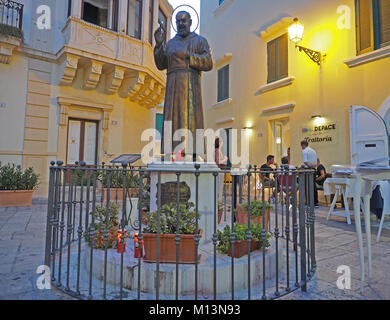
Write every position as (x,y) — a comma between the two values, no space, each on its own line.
(134,18)
(223,83)
(373,25)
(82,141)
(162,19)
(278,58)
(103,13)
(151,20)
(159,122)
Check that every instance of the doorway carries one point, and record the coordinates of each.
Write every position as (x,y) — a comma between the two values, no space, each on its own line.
(82,141)
(280,138)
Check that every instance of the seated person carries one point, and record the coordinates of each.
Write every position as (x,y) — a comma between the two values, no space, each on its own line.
(286,164)
(321,174)
(269,167)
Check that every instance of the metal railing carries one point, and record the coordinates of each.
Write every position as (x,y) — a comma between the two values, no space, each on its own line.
(11,13)
(88,267)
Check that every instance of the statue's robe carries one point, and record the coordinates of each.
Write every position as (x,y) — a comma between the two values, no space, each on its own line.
(183,97)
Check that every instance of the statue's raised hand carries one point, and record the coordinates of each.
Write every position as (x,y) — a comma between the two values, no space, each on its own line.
(159,36)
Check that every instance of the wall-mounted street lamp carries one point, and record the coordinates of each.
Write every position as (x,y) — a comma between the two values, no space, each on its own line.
(318,120)
(295,32)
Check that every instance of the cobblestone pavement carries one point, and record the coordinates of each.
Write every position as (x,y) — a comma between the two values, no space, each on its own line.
(22,239)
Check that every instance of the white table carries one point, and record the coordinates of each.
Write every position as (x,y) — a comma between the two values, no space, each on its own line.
(364,180)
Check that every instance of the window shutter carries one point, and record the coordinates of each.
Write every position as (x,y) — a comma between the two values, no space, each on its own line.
(223,83)
(364,29)
(283,57)
(384,23)
(272,61)
(226,83)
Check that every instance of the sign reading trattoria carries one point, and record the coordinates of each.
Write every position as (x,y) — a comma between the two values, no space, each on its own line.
(324,133)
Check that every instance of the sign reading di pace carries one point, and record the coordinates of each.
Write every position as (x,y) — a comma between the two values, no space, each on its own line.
(321,134)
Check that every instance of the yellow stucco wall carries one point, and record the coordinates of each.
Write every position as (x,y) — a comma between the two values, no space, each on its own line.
(13,88)
(328,90)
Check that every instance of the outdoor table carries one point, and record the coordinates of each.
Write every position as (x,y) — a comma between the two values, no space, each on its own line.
(364,178)
(339,187)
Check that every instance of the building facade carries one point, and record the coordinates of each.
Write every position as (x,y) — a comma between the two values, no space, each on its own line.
(263,82)
(82,85)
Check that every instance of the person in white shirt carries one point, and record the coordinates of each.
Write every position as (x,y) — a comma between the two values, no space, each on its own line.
(309,156)
(309,159)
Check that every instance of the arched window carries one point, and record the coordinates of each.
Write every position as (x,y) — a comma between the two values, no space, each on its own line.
(134,18)
(387,121)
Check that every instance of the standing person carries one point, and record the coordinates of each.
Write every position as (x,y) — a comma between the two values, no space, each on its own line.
(309,159)
(289,153)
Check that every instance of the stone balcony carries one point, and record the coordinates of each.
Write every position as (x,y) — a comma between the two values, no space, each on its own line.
(126,63)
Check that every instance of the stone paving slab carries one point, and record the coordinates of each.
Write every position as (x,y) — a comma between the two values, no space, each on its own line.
(22,243)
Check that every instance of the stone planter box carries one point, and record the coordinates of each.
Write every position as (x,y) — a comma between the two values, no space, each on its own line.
(168,248)
(18,198)
(242,217)
(241,248)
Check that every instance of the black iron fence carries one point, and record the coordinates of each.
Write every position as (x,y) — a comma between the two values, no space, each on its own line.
(179,233)
(11,13)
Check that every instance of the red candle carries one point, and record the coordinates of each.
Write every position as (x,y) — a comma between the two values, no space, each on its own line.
(119,245)
(138,248)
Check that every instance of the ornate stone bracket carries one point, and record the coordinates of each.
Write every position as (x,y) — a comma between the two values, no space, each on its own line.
(151,100)
(133,84)
(92,73)
(64,110)
(145,92)
(68,69)
(114,79)
(7,46)
(106,120)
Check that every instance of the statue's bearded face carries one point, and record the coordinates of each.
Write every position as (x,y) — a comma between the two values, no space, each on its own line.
(183,23)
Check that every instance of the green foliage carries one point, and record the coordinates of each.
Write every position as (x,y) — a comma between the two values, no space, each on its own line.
(117,179)
(12,177)
(7,30)
(257,207)
(101,215)
(168,219)
(240,233)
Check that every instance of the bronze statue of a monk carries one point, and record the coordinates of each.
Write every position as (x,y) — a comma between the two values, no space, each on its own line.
(185,57)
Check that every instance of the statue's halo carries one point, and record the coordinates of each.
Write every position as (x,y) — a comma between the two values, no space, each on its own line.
(192,9)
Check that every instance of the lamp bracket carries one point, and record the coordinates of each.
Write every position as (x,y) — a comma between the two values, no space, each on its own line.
(315,56)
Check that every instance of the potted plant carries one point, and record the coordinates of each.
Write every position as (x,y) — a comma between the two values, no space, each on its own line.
(168,228)
(99,225)
(116,185)
(241,242)
(17,186)
(256,209)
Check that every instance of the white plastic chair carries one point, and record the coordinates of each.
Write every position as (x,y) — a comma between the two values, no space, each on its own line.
(385,192)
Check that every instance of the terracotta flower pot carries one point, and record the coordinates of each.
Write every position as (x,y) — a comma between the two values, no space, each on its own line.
(168,248)
(17,198)
(241,248)
(134,192)
(242,217)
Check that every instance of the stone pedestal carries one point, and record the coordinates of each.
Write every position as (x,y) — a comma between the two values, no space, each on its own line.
(205,190)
